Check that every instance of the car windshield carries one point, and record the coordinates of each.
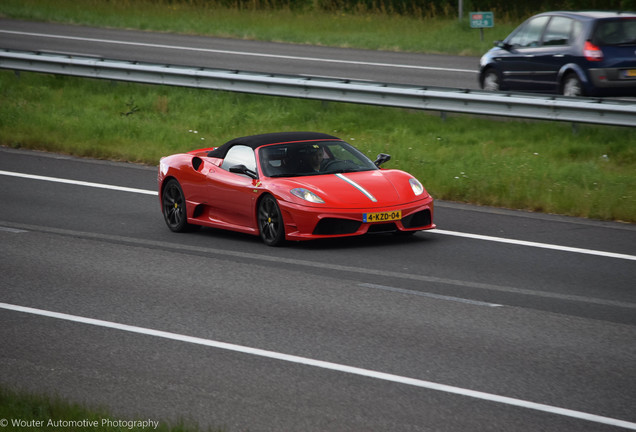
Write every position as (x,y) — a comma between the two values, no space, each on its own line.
(615,32)
(312,158)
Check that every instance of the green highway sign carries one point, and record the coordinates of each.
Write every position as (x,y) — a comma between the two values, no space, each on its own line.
(482,19)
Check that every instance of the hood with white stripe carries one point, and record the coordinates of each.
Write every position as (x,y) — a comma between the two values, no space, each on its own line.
(366,189)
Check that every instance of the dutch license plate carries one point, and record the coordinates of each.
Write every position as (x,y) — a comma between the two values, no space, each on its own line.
(382,216)
(630,73)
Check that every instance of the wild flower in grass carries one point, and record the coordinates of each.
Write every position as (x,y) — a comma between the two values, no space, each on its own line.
(195,132)
(462,174)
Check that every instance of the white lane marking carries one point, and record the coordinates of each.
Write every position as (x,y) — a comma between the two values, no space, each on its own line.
(357,186)
(535,244)
(241,53)
(436,231)
(326,365)
(12,230)
(77,183)
(429,295)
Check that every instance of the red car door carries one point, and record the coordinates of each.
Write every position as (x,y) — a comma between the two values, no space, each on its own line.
(232,197)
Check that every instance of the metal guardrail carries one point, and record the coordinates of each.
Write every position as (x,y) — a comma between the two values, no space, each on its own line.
(576,110)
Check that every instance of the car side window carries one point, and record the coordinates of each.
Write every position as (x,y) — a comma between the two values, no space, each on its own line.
(559,31)
(239,155)
(530,34)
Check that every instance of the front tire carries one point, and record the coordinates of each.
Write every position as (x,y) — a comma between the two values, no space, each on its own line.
(270,221)
(173,204)
(491,81)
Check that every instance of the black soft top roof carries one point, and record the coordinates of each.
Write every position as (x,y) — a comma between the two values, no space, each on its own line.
(255,141)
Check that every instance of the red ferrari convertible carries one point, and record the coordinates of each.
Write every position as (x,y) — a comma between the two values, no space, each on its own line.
(290,186)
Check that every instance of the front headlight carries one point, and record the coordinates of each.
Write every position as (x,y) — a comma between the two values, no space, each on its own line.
(417,187)
(307,195)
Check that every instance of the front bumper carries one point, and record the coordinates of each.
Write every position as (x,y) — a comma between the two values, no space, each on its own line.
(307,223)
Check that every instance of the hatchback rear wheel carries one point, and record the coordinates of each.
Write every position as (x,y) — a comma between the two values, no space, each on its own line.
(572,85)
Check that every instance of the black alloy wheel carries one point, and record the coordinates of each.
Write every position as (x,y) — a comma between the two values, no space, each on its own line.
(270,221)
(174,207)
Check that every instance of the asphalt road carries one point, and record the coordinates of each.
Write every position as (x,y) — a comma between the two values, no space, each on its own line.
(164,48)
(435,332)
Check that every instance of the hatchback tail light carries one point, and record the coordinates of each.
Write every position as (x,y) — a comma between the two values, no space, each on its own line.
(592,52)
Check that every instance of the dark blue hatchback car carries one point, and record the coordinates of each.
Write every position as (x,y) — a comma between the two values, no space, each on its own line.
(570,53)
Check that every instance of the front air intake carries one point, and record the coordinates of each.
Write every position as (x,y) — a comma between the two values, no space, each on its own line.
(419,219)
(334,226)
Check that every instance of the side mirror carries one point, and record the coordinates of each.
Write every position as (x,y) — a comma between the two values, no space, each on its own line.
(502,45)
(381,158)
(242,169)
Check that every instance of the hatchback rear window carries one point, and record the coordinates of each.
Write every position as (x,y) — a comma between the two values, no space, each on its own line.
(615,32)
